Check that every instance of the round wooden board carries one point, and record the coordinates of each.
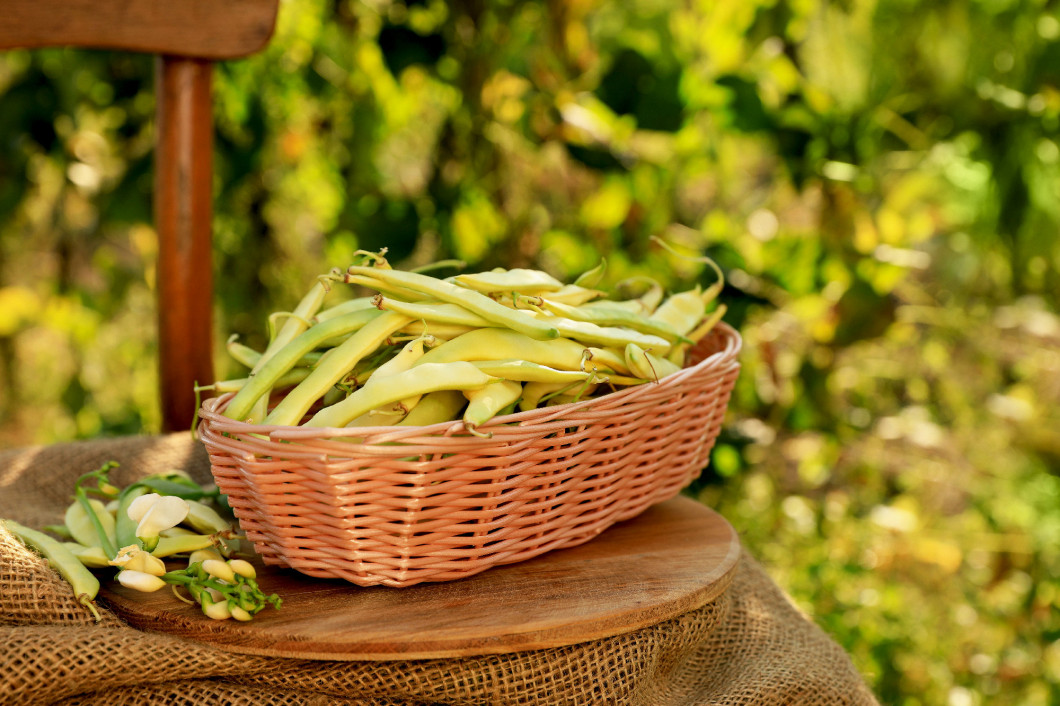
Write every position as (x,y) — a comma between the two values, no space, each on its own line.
(675,557)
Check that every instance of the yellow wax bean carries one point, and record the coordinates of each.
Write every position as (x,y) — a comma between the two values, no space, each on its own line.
(679,352)
(347,307)
(419,380)
(611,316)
(435,407)
(388,288)
(242,354)
(573,295)
(645,365)
(295,325)
(484,403)
(591,278)
(339,362)
(433,312)
(682,311)
(184,544)
(92,557)
(644,305)
(290,378)
(519,280)
(204,519)
(536,394)
(379,418)
(525,371)
(442,332)
(502,344)
(605,336)
(606,360)
(474,301)
(286,358)
(402,361)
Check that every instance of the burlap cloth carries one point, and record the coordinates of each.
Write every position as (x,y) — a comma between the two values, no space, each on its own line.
(750,646)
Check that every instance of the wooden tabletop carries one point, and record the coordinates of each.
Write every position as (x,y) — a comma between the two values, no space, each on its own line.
(675,557)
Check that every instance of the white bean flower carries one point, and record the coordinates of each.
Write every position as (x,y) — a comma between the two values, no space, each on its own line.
(155,513)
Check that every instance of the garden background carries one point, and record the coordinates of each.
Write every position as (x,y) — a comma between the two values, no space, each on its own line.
(879,180)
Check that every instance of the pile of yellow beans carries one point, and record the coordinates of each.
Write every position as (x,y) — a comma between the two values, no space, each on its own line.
(420,349)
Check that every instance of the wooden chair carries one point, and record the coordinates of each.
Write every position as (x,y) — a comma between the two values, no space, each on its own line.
(188,36)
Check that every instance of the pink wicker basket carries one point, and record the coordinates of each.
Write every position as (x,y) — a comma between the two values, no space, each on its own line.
(412,504)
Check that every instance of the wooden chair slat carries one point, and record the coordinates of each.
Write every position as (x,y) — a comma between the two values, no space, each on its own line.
(205,29)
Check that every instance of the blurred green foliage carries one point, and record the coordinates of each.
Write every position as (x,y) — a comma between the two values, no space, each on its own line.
(879,179)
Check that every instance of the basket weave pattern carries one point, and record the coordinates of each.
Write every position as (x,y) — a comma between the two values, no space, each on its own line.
(397,506)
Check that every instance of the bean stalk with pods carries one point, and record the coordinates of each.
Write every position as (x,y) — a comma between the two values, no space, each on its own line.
(500,341)
(133,529)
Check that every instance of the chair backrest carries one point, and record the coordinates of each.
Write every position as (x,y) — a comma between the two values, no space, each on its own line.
(188,36)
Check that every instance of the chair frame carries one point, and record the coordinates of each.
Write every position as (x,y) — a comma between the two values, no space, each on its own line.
(188,37)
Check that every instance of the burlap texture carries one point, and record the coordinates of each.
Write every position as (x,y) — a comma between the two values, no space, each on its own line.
(750,646)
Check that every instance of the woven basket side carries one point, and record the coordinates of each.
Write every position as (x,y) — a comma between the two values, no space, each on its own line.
(399,506)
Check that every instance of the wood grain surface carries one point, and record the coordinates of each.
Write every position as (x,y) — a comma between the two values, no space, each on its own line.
(204,29)
(675,557)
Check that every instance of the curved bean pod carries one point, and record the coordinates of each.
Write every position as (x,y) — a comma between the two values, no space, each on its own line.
(81,527)
(418,380)
(682,311)
(504,344)
(469,299)
(645,365)
(523,281)
(484,403)
(435,407)
(330,370)
(284,359)
(525,371)
(612,316)
(433,312)
(81,580)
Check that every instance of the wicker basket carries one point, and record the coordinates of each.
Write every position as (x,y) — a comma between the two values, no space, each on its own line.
(397,506)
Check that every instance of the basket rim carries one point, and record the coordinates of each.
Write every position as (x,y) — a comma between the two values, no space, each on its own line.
(211,411)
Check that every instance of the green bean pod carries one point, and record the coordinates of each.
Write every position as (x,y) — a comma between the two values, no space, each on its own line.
(294,326)
(332,369)
(289,379)
(81,527)
(284,359)
(81,580)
